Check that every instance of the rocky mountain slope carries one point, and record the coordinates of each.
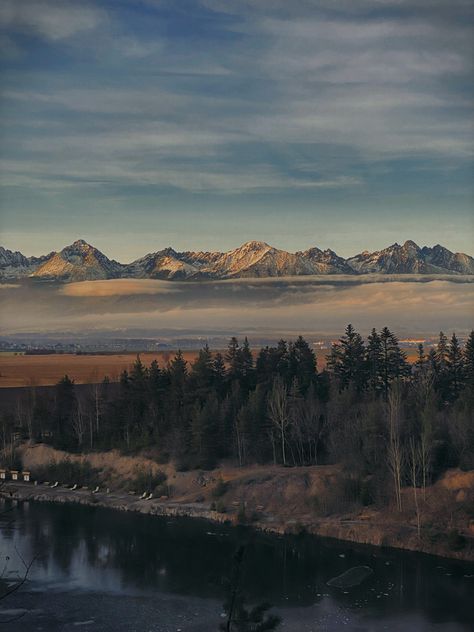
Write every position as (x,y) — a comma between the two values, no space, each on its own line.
(14,265)
(411,259)
(77,262)
(80,261)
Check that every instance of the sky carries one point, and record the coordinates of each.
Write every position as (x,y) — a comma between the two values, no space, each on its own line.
(206,123)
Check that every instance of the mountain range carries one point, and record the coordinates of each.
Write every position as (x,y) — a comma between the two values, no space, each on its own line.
(81,262)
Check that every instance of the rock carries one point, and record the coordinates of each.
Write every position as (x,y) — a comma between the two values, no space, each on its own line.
(352,577)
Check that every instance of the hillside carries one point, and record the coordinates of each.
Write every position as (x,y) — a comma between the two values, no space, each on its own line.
(283,500)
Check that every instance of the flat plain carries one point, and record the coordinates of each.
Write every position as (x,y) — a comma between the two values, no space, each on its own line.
(44,370)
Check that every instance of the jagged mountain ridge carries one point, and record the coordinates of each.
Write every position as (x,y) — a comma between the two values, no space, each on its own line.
(14,265)
(409,258)
(80,261)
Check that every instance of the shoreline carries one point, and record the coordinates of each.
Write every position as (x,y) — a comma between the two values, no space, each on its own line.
(362,532)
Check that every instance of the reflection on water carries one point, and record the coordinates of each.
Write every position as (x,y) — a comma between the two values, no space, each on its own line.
(87,549)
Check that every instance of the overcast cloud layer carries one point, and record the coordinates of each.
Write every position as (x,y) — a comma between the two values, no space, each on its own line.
(205,123)
(246,306)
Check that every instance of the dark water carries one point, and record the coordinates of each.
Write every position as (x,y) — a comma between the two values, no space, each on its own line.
(98,569)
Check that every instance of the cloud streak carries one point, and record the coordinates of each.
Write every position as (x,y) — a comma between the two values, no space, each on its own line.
(142,106)
(260,306)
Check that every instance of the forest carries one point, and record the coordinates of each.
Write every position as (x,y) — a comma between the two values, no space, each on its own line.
(369,409)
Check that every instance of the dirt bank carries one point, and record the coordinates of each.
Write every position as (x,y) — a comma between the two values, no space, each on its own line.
(275,499)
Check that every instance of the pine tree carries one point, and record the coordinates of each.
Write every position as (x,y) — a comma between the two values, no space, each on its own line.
(441,367)
(455,368)
(394,364)
(347,360)
(65,397)
(442,351)
(234,359)
(420,358)
(202,373)
(374,361)
(246,366)
(469,360)
(281,355)
(302,362)
(205,432)
(218,368)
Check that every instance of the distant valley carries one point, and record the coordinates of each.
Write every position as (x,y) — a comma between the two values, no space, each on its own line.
(255,259)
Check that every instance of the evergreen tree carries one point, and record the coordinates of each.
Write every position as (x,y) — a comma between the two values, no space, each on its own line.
(420,358)
(442,351)
(234,360)
(176,407)
(374,362)
(65,397)
(455,368)
(218,368)
(469,361)
(302,363)
(347,360)
(205,432)
(394,364)
(246,366)
(282,359)
(441,367)
(202,373)
(137,393)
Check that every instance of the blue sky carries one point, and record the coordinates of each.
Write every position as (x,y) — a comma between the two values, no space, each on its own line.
(206,123)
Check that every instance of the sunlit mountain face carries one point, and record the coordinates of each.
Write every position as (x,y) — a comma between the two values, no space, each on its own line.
(255,259)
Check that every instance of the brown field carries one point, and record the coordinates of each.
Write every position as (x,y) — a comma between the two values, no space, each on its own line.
(44,370)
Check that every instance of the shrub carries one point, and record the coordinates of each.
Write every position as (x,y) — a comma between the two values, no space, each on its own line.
(220,507)
(163,490)
(220,489)
(147,480)
(242,514)
(11,460)
(456,541)
(68,472)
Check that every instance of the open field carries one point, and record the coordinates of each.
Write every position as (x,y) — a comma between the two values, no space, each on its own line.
(44,370)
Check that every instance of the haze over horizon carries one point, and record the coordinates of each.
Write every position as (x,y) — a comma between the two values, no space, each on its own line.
(209,123)
(140,253)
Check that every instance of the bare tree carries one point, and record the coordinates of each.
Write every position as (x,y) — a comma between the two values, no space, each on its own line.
(313,423)
(79,421)
(426,407)
(415,454)
(395,451)
(239,427)
(278,412)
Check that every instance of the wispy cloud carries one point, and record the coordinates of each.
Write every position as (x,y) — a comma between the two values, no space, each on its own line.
(131,101)
(51,19)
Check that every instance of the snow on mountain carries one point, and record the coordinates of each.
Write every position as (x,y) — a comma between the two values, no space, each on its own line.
(411,259)
(327,262)
(165,264)
(14,265)
(442,258)
(80,261)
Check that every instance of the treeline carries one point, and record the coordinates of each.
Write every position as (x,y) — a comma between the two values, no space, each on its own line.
(369,408)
